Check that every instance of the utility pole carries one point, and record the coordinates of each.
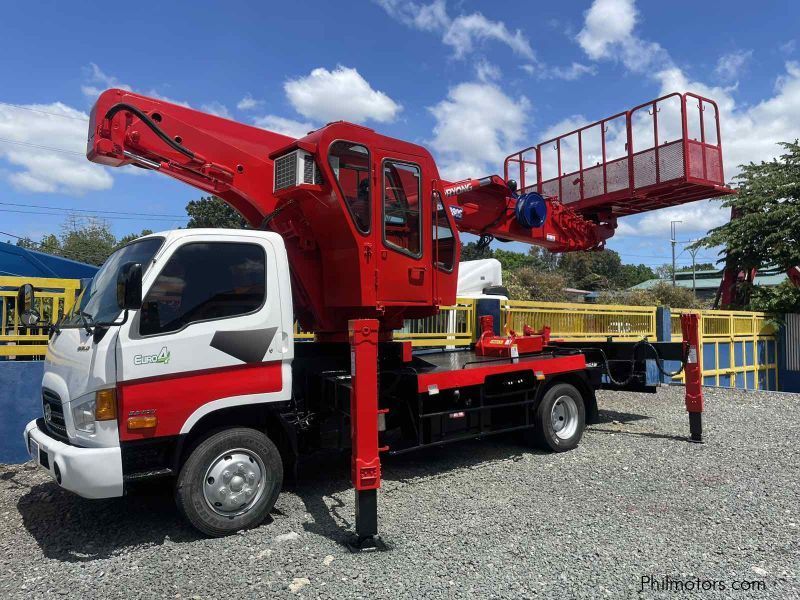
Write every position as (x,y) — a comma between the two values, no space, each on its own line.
(693,252)
(673,241)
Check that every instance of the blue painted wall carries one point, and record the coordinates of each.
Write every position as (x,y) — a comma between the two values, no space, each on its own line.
(20,401)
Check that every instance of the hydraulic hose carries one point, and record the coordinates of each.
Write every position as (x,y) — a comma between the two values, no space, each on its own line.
(629,378)
(150,124)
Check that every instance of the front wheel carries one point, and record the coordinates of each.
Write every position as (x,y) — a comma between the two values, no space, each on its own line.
(230,481)
(559,419)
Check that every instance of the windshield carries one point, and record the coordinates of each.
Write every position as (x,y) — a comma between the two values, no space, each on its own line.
(98,301)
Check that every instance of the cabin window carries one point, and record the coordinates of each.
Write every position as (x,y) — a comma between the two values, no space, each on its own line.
(402,219)
(350,165)
(443,239)
(203,281)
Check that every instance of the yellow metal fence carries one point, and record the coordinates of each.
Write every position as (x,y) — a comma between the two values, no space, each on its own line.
(739,349)
(584,322)
(53,298)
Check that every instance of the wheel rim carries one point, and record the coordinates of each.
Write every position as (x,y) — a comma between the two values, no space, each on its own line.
(234,482)
(564,417)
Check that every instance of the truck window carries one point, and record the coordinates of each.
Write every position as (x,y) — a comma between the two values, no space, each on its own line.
(350,165)
(402,222)
(203,281)
(443,237)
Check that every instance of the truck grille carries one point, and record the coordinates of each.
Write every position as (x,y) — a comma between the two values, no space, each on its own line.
(54,415)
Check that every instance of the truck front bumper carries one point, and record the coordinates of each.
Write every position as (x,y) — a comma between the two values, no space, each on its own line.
(88,472)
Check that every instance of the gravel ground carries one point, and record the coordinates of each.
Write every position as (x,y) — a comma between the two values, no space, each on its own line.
(486,519)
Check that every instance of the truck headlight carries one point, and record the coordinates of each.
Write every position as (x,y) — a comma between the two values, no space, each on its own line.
(83,415)
(100,406)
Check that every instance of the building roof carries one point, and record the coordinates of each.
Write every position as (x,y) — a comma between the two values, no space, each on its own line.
(708,280)
(21,262)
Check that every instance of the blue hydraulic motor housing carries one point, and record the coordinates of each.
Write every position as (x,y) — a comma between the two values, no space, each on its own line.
(531,210)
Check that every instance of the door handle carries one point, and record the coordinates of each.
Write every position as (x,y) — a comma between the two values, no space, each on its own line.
(416,275)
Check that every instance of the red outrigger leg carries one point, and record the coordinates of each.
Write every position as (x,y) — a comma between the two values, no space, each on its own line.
(693,371)
(365,461)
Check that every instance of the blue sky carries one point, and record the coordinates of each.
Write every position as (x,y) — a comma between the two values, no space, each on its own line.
(471,80)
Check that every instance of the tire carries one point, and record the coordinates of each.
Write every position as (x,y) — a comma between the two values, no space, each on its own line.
(559,419)
(246,471)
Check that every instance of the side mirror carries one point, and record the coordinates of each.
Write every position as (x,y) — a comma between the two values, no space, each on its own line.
(28,315)
(129,286)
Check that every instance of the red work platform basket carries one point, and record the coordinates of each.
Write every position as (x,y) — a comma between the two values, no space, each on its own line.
(662,153)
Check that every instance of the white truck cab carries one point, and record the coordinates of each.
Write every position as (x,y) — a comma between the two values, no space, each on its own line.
(122,389)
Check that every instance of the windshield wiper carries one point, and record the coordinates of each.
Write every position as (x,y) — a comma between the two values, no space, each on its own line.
(86,320)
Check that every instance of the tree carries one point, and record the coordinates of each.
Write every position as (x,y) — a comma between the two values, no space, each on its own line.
(591,270)
(630,275)
(211,211)
(698,267)
(127,239)
(471,251)
(766,230)
(536,284)
(661,294)
(86,240)
(83,239)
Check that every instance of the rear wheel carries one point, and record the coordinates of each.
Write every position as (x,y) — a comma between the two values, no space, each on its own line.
(559,419)
(230,481)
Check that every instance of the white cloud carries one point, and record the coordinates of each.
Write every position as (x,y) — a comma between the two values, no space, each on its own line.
(295,129)
(216,108)
(54,125)
(462,33)
(571,73)
(487,71)
(467,30)
(249,103)
(696,219)
(97,81)
(729,66)
(477,125)
(607,23)
(608,33)
(339,94)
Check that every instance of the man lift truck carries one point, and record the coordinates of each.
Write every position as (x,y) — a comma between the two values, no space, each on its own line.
(179,359)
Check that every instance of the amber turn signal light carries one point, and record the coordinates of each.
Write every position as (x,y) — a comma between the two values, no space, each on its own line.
(105,405)
(143,422)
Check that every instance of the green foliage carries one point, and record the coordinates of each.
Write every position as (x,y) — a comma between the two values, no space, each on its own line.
(630,275)
(127,239)
(211,211)
(536,284)
(779,300)
(766,230)
(471,251)
(661,294)
(89,241)
(697,267)
(83,239)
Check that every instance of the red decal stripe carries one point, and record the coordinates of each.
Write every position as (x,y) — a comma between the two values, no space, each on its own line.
(175,397)
(477,375)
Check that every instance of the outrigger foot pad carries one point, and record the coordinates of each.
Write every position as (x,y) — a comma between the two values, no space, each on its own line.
(369,543)
(696,427)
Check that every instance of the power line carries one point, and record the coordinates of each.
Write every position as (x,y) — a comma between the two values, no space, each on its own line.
(44,112)
(98,211)
(41,147)
(99,217)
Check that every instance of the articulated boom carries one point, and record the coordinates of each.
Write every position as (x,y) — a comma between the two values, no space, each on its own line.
(371,230)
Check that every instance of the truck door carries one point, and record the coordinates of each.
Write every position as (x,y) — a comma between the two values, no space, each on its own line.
(211,332)
(404,267)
